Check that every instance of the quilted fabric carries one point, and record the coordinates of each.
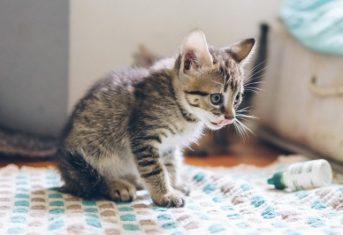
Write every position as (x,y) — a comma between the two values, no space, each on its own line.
(223,201)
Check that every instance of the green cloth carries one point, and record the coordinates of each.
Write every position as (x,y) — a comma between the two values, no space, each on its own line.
(317,24)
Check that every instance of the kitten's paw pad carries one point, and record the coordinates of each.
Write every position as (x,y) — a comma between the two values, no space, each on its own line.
(173,199)
(184,188)
(122,191)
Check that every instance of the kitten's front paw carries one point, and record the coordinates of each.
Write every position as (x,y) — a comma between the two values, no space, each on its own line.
(184,188)
(171,199)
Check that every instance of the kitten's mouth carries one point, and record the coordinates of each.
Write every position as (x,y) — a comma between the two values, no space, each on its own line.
(220,124)
(223,122)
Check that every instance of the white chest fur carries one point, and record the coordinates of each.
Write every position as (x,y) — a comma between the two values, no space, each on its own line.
(190,133)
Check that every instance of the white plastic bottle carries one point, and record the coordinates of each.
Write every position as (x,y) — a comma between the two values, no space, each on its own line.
(303,175)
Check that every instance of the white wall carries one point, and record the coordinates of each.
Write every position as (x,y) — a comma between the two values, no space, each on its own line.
(105,33)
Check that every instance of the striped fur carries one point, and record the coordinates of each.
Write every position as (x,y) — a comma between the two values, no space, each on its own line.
(131,126)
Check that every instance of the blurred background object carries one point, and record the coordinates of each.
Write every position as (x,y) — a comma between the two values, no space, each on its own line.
(34,65)
(294,110)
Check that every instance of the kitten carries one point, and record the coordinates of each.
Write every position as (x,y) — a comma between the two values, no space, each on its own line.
(130,128)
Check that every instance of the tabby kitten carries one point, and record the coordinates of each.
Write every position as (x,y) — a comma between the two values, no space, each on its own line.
(130,129)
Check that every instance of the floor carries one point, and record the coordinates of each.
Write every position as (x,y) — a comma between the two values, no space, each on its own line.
(253,152)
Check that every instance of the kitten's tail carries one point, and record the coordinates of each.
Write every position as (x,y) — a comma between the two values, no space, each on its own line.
(20,144)
(144,57)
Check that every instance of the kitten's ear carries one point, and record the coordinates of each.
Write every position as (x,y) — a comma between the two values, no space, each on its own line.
(194,52)
(241,50)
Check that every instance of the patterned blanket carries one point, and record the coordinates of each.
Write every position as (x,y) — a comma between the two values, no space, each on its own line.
(223,201)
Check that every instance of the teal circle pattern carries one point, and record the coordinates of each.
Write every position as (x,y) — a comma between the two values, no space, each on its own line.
(216,228)
(128,217)
(15,230)
(131,227)
(57,224)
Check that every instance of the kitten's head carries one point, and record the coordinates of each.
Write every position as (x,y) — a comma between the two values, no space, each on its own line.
(211,79)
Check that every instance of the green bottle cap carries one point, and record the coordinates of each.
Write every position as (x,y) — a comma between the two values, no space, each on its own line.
(277,181)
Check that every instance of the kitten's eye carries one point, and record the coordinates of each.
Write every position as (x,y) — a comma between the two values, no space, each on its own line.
(237,99)
(216,98)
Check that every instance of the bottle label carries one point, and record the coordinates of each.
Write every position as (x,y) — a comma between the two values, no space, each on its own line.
(306,175)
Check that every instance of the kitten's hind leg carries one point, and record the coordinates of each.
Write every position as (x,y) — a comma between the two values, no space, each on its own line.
(80,178)
(121,190)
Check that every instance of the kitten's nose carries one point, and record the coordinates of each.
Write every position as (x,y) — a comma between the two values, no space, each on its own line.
(229,115)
